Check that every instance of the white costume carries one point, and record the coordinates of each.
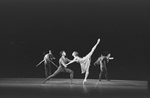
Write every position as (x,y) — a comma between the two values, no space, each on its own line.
(85,63)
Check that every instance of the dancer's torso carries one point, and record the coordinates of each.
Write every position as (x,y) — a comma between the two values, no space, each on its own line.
(103,63)
(64,60)
(48,57)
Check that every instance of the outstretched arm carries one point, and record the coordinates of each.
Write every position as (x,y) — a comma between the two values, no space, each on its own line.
(74,60)
(44,59)
(108,56)
(65,65)
(91,52)
(53,63)
(39,63)
(97,61)
(111,58)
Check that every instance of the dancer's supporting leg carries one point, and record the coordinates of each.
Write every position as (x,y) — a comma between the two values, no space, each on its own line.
(71,73)
(100,74)
(86,75)
(46,69)
(106,75)
(49,69)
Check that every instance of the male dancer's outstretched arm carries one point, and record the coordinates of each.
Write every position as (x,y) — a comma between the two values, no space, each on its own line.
(96,62)
(74,60)
(109,58)
(39,63)
(44,60)
(53,63)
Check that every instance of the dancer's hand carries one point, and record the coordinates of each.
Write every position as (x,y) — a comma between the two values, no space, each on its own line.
(95,64)
(65,66)
(37,65)
(111,58)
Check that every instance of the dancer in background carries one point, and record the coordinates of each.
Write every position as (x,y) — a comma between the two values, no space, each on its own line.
(102,60)
(47,63)
(62,67)
(84,61)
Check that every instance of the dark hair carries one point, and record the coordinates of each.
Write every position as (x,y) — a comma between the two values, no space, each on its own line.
(105,53)
(61,53)
(76,53)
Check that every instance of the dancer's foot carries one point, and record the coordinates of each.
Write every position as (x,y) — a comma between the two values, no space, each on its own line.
(44,81)
(84,81)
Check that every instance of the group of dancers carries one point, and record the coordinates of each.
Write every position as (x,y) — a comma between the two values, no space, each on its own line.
(83,61)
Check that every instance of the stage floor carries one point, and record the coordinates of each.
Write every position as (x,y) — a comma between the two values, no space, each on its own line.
(55,88)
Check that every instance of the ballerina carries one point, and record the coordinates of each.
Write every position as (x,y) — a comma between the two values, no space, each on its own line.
(84,61)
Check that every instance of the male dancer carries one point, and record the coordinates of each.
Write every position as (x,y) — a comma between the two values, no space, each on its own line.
(84,61)
(47,63)
(102,60)
(62,67)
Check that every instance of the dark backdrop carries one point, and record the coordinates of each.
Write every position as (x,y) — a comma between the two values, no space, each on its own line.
(29,28)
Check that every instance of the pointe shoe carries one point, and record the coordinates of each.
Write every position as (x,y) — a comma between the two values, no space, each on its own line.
(84,81)
(44,81)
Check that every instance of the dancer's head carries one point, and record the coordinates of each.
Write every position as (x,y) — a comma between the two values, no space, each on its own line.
(102,56)
(75,54)
(50,51)
(105,53)
(63,53)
